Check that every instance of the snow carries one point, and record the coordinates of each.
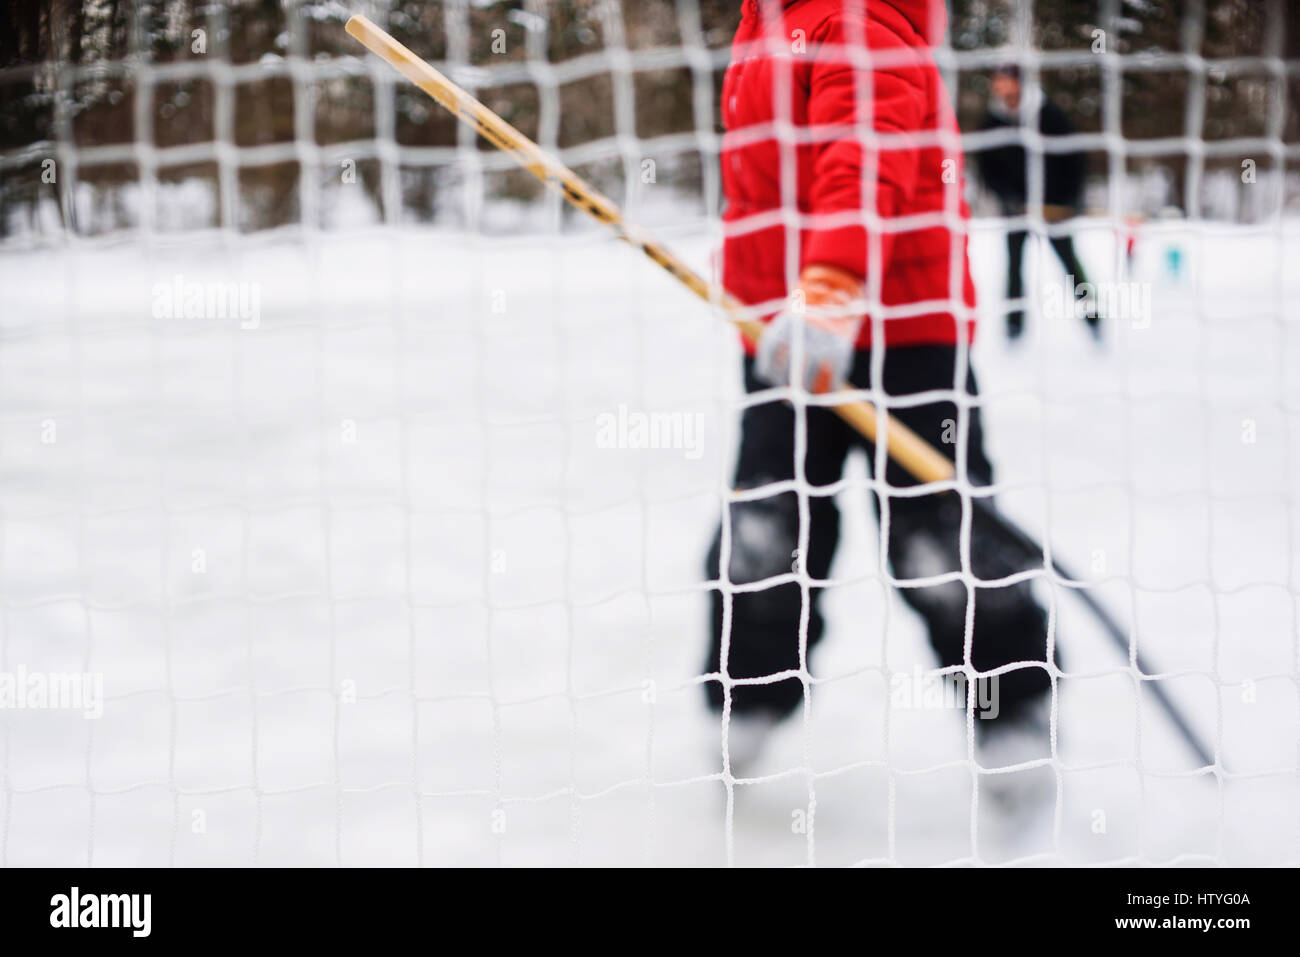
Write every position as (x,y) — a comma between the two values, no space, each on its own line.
(364,587)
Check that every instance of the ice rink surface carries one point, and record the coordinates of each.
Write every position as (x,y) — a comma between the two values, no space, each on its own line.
(364,588)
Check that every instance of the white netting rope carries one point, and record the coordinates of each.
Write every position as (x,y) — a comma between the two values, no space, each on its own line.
(617,61)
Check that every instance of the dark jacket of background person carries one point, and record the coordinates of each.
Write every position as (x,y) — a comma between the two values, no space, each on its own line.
(1004,169)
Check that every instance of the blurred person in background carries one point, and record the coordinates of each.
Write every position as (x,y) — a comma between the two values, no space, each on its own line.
(1004,172)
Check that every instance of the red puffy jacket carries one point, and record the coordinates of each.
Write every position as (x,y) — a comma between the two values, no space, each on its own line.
(879,133)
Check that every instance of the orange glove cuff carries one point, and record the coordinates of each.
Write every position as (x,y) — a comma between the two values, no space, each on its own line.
(826,285)
(831,288)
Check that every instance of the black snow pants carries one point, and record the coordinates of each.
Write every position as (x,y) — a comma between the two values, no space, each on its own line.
(924,536)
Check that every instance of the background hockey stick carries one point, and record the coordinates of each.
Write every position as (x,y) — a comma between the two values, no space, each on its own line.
(903,445)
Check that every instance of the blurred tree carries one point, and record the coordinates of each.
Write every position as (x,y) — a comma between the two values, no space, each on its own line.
(69,69)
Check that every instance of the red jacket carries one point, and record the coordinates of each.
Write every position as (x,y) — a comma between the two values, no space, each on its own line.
(804,46)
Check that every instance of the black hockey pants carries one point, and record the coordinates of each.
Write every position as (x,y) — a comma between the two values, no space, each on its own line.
(924,533)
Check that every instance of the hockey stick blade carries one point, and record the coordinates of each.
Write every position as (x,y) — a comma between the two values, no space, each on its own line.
(1034,551)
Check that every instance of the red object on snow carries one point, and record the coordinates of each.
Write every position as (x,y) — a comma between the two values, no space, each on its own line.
(881,133)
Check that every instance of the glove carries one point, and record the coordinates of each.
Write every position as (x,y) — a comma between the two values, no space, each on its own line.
(828,340)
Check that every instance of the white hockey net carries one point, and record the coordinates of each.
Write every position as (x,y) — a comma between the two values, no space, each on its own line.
(372,485)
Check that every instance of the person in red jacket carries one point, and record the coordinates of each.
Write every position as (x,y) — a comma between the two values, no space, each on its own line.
(845,225)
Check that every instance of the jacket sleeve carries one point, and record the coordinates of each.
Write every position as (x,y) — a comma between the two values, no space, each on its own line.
(852,164)
(1065,171)
(1002,168)
(984,158)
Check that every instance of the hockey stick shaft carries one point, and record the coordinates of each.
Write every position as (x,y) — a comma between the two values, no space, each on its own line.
(907,448)
(1114,631)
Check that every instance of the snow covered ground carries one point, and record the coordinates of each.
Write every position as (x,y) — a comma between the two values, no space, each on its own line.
(364,587)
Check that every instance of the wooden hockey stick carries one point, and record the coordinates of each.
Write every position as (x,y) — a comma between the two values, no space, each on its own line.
(904,446)
(909,450)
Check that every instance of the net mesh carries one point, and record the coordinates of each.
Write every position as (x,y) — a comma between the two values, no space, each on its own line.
(374,484)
